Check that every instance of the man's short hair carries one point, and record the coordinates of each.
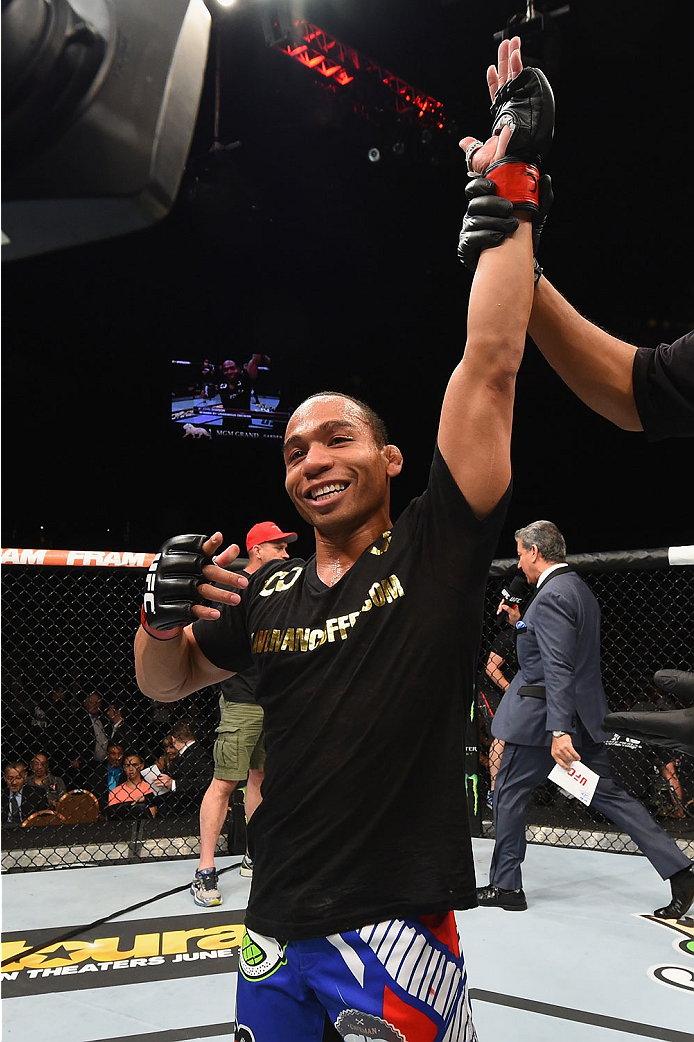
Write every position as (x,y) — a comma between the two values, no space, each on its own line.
(546,537)
(373,420)
(182,732)
(114,745)
(15,765)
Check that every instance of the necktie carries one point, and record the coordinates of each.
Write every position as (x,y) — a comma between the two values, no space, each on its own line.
(14,809)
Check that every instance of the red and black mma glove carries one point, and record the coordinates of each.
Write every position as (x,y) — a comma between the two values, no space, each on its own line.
(489,219)
(172,586)
(526,105)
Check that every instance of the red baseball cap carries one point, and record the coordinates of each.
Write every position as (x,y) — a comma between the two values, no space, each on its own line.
(266,532)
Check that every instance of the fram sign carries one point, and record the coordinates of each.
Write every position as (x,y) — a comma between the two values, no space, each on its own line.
(76,558)
(121,953)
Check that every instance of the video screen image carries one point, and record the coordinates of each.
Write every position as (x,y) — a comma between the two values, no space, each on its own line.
(227,398)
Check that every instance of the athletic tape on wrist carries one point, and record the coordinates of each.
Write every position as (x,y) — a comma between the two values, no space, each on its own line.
(517,181)
(158,634)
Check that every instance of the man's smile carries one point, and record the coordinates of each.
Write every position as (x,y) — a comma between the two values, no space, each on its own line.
(327,493)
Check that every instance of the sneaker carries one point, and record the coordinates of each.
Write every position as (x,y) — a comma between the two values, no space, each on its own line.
(246,866)
(204,888)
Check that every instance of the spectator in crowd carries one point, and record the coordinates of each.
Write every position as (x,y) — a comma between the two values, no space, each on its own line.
(39,717)
(118,729)
(75,684)
(89,739)
(239,752)
(16,718)
(160,766)
(19,799)
(104,777)
(53,786)
(190,772)
(59,733)
(134,793)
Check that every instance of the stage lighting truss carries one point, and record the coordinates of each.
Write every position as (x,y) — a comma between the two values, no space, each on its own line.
(374,91)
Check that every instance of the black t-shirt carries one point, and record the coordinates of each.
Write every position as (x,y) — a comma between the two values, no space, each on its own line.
(241,687)
(365,686)
(664,388)
(238,395)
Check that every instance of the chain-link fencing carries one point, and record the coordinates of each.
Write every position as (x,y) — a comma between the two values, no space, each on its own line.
(75,722)
(645,599)
(76,727)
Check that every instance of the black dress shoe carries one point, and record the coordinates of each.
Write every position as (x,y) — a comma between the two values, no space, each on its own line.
(682,886)
(495,897)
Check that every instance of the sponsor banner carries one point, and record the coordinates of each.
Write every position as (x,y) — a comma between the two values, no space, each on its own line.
(77,558)
(132,952)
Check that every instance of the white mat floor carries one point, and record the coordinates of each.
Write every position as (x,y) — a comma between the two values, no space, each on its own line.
(583,964)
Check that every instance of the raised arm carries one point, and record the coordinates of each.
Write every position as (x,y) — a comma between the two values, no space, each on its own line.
(168,661)
(595,365)
(475,428)
(476,418)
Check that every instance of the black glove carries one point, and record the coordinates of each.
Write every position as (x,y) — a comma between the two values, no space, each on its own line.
(674,730)
(487,222)
(172,583)
(489,219)
(526,104)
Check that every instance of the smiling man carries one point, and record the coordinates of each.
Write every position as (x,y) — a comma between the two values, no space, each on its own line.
(366,655)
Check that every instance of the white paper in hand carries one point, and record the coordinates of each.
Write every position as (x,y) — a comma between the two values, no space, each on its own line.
(578,781)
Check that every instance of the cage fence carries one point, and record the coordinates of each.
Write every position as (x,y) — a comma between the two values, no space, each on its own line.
(72,713)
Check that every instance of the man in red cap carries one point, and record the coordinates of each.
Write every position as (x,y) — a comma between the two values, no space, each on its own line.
(239,752)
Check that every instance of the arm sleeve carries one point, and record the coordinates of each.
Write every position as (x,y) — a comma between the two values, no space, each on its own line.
(442,518)
(664,389)
(224,641)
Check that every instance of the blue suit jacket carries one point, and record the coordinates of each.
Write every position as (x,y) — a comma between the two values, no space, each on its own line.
(558,648)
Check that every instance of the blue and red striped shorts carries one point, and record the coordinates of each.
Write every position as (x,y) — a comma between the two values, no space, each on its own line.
(398,981)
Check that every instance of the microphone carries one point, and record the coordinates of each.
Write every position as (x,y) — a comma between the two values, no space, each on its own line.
(515,592)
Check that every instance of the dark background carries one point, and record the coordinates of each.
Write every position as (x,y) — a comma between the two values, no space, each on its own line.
(345,273)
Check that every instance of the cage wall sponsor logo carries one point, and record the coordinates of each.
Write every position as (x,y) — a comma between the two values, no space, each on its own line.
(19,556)
(121,953)
(671,975)
(75,558)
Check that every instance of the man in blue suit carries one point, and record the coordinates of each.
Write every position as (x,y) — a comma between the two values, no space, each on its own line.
(553,711)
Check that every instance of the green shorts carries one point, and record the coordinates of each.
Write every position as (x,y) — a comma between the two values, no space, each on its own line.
(239,746)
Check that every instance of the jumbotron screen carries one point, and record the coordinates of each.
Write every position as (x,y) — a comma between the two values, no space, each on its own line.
(227,398)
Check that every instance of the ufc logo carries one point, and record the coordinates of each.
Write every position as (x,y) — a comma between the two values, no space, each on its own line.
(149,585)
